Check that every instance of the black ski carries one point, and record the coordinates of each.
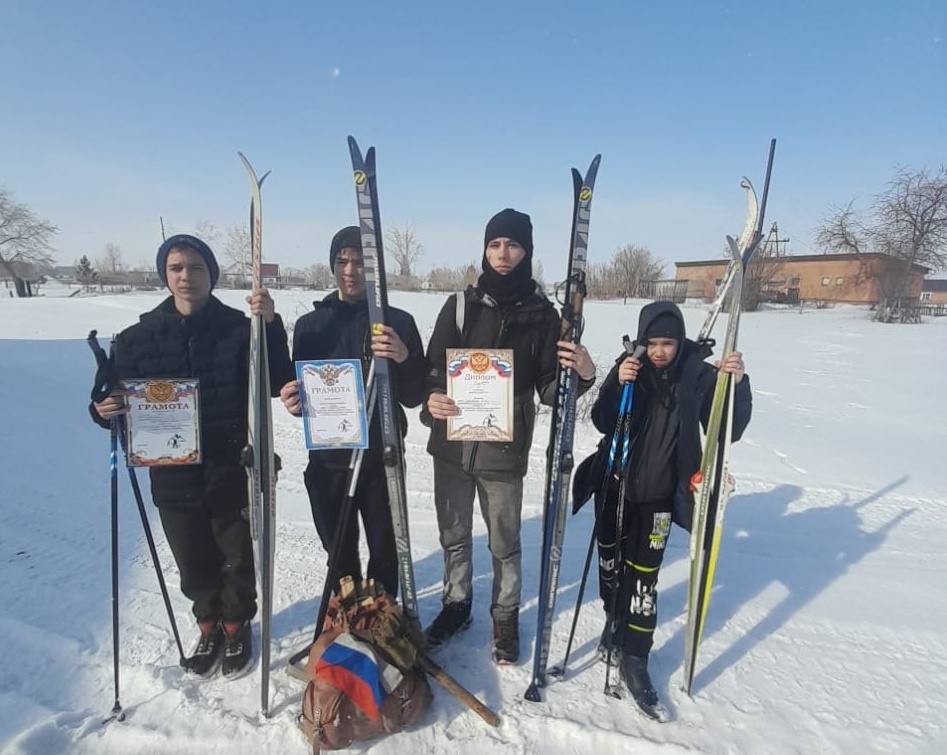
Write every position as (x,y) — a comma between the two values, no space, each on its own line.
(559,460)
(377,292)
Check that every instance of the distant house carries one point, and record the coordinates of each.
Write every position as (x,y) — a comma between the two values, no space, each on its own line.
(241,276)
(270,274)
(841,278)
(64,272)
(934,291)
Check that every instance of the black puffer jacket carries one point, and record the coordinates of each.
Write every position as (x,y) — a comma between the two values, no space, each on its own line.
(211,345)
(340,330)
(668,409)
(531,329)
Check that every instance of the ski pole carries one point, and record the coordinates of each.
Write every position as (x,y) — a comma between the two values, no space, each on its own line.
(159,572)
(619,525)
(561,669)
(116,714)
(105,382)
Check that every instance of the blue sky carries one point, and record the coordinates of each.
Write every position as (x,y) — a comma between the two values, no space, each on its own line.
(116,112)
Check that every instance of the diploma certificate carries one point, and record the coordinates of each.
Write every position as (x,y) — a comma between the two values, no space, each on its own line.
(163,423)
(481,383)
(333,400)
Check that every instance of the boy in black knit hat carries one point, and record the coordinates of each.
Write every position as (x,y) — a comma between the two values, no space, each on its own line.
(192,334)
(673,391)
(339,328)
(504,310)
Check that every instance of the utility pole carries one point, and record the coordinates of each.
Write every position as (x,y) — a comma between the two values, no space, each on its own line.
(773,238)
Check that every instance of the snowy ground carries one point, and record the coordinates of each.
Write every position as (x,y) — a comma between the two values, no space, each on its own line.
(825,634)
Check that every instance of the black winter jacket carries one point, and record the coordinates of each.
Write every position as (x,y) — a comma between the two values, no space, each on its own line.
(668,408)
(211,345)
(340,330)
(529,327)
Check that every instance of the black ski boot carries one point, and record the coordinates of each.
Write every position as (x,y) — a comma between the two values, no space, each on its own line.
(634,671)
(506,639)
(238,649)
(453,618)
(206,657)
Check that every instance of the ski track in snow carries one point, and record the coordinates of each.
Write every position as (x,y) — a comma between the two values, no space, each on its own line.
(825,633)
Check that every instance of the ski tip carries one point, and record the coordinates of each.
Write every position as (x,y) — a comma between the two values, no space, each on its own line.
(532,693)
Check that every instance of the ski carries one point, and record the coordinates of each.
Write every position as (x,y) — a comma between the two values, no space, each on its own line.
(258,455)
(366,191)
(751,220)
(712,484)
(559,461)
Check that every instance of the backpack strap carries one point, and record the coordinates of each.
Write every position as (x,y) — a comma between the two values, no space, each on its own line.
(460,302)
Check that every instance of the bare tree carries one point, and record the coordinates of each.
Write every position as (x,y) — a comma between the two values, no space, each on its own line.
(447,278)
(319,276)
(539,274)
(471,276)
(600,282)
(404,247)
(633,266)
(25,240)
(207,232)
(906,222)
(238,249)
(111,261)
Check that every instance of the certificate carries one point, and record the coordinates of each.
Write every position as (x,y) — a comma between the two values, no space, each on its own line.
(333,402)
(163,423)
(481,383)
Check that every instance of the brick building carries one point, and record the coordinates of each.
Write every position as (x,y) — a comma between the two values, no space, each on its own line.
(842,278)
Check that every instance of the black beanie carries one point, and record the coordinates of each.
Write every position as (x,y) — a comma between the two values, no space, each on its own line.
(511,224)
(189,242)
(348,237)
(665,325)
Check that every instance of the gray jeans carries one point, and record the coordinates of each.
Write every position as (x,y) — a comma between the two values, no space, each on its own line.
(501,503)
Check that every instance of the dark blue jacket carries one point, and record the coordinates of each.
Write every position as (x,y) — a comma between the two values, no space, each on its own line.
(213,346)
(336,329)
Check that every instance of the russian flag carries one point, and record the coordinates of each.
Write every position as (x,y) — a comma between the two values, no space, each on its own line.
(351,665)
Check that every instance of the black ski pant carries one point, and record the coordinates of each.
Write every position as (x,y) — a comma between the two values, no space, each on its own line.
(212,548)
(328,488)
(634,567)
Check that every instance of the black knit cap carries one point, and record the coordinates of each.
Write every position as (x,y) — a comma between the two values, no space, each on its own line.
(188,242)
(348,237)
(665,325)
(511,224)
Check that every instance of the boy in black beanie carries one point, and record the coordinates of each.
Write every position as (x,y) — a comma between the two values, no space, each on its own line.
(504,310)
(192,334)
(673,390)
(339,328)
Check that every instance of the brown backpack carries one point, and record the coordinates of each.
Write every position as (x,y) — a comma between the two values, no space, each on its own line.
(363,677)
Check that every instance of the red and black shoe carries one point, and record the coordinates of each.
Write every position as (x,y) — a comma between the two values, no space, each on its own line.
(238,649)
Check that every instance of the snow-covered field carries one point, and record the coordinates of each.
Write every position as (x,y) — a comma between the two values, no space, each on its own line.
(825,634)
